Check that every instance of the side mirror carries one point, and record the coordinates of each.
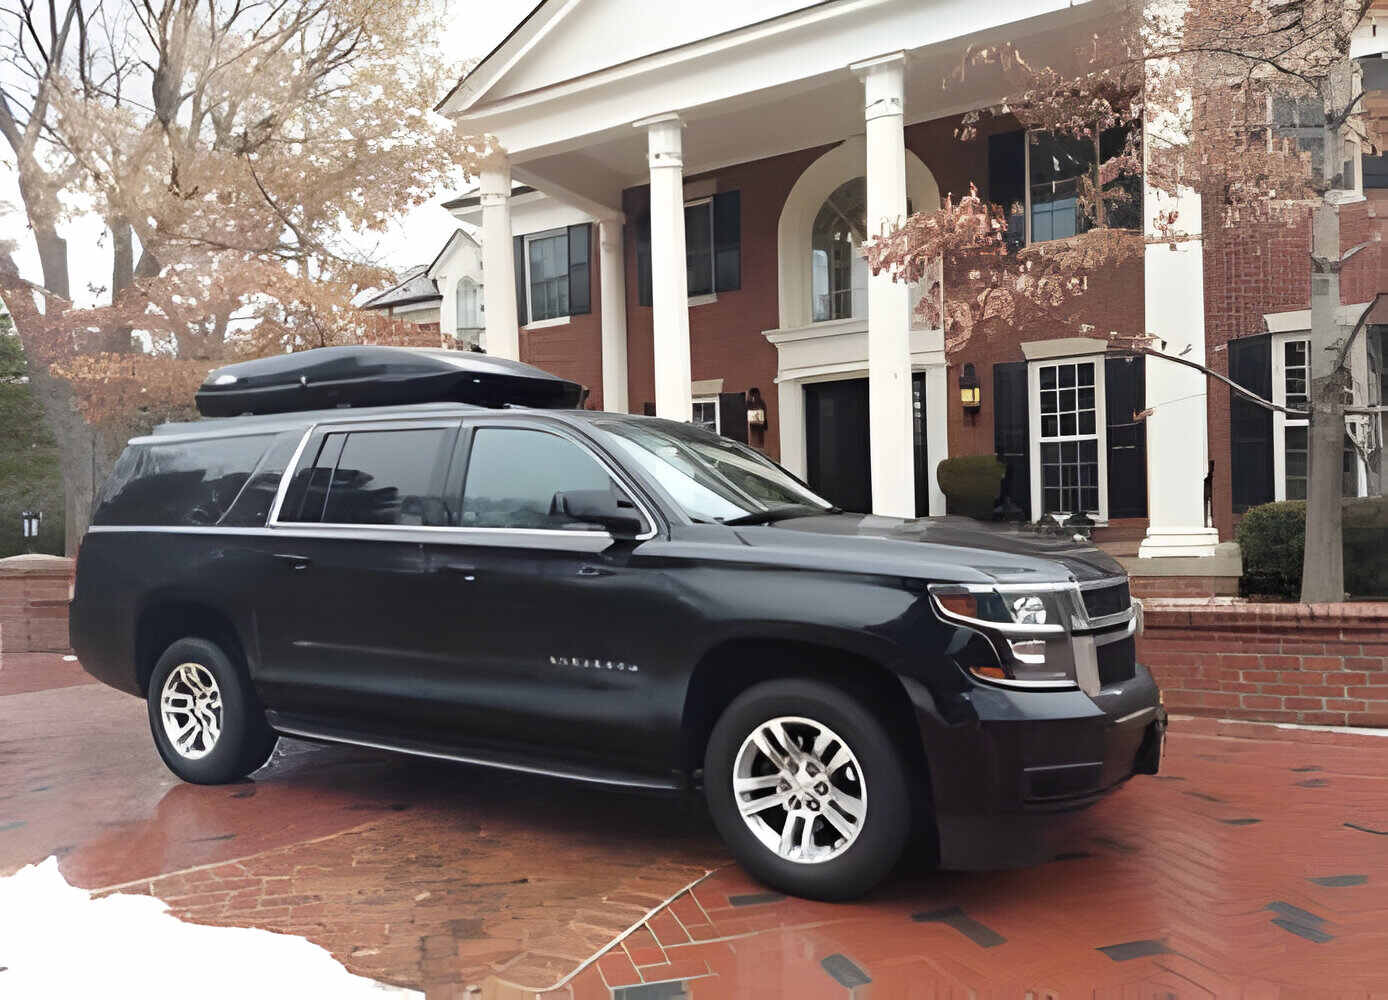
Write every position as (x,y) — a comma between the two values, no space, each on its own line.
(596,507)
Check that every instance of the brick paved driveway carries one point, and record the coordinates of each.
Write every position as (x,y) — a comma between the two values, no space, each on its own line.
(1252,866)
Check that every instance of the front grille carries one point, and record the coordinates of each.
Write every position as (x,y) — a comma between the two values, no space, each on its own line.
(1117,661)
(1102,601)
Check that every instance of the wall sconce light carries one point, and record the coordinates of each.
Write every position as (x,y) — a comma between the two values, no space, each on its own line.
(756,409)
(970,393)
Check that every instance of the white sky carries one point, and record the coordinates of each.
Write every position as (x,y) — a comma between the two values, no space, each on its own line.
(474,29)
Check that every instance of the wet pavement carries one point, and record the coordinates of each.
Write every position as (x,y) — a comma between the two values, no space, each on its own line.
(1250,867)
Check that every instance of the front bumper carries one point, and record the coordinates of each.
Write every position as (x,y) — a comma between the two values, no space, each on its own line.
(1012,761)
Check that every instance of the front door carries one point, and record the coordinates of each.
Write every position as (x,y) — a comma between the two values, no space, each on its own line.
(837,443)
(542,626)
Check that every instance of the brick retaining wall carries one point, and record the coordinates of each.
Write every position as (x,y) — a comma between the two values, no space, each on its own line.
(1324,664)
(33,603)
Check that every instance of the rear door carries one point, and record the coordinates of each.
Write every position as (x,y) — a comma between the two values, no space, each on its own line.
(345,610)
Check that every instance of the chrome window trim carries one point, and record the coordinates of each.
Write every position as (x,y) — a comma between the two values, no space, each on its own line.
(461,422)
(363,532)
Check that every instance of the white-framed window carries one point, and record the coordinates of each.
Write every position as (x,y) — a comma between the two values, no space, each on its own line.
(469,311)
(705,413)
(1291,381)
(547,275)
(838,269)
(698,246)
(1055,165)
(1069,447)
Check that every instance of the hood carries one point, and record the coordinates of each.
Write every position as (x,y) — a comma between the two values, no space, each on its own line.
(941,548)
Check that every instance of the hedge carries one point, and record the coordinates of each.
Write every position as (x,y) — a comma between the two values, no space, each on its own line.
(1273,538)
(970,484)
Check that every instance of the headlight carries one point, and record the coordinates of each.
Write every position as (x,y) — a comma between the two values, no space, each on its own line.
(1023,627)
(1029,610)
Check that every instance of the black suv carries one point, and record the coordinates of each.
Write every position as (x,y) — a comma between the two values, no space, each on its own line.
(615,599)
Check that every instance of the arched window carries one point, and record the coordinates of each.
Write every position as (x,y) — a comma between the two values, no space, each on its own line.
(839,272)
(469,297)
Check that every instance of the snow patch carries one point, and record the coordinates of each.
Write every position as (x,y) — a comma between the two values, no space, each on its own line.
(57,941)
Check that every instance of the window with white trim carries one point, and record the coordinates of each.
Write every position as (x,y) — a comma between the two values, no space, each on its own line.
(547,275)
(1291,381)
(706,413)
(468,298)
(1068,448)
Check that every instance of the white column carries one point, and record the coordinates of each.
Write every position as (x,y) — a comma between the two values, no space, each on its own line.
(889,306)
(612,276)
(790,418)
(937,403)
(669,285)
(1177,433)
(502,336)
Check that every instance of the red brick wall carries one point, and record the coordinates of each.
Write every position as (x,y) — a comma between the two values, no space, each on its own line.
(33,603)
(1319,664)
(573,350)
(1255,268)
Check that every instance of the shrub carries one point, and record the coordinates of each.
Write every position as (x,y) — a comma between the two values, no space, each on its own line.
(970,484)
(1273,539)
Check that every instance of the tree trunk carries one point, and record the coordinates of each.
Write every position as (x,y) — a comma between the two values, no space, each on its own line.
(53,259)
(83,456)
(1323,566)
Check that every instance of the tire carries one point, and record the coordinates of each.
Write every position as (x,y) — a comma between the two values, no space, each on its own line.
(201,678)
(843,859)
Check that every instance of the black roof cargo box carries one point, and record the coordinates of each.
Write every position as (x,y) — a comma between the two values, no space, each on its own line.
(326,377)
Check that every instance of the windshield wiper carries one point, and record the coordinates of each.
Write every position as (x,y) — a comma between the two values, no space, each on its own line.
(782,513)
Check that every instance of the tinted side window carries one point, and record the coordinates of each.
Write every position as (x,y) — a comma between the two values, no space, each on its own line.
(179,483)
(513,474)
(252,507)
(389,477)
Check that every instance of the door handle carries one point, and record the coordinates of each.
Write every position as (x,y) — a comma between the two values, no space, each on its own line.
(589,570)
(298,562)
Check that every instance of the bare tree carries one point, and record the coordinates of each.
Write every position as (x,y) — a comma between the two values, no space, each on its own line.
(236,151)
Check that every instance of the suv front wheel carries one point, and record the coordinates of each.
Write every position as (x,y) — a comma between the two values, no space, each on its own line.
(207,722)
(808,789)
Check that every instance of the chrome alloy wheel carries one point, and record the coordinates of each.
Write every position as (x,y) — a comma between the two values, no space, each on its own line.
(800,789)
(191,709)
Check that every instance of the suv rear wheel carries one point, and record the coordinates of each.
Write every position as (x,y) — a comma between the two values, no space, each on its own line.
(808,789)
(207,722)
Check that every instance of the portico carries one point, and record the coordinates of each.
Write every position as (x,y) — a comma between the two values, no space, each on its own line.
(733,164)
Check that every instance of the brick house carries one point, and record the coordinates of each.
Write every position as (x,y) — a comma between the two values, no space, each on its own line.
(674,223)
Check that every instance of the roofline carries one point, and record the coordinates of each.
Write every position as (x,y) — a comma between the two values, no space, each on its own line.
(373,304)
(473,200)
(488,57)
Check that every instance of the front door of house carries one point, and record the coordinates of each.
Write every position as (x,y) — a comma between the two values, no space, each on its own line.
(837,436)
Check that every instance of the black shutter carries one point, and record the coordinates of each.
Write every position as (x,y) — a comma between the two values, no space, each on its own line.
(644,295)
(521,315)
(1006,180)
(580,245)
(732,415)
(1125,394)
(727,241)
(1011,441)
(1250,425)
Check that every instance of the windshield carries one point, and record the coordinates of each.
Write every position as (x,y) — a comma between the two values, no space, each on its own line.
(712,478)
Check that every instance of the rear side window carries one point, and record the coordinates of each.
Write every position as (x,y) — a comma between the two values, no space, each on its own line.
(374,477)
(179,483)
(252,507)
(513,474)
